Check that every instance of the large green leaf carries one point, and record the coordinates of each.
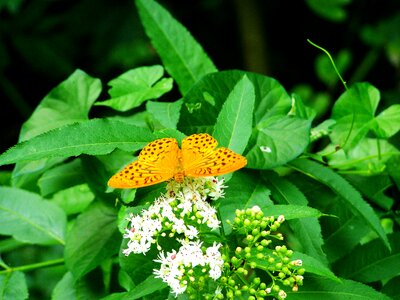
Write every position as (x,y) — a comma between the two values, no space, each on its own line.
(279,139)
(354,113)
(307,231)
(132,88)
(167,113)
(29,218)
(13,286)
(203,103)
(93,238)
(388,122)
(317,288)
(146,287)
(68,288)
(184,59)
(67,103)
(332,10)
(372,261)
(244,191)
(94,137)
(234,122)
(369,156)
(351,198)
(61,177)
(314,266)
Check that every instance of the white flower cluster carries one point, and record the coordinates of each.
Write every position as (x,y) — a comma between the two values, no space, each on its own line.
(181,212)
(176,267)
(182,204)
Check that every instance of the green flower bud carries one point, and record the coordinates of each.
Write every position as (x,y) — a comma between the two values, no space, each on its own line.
(260,255)
(271,260)
(301,271)
(256,281)
(276,288)
(286,282)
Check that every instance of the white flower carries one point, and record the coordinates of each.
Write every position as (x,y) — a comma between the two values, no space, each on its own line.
(191,232)
(214,260)
(282,294)
(191,253)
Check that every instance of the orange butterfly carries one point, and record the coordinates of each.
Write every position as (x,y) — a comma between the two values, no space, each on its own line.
(162,160)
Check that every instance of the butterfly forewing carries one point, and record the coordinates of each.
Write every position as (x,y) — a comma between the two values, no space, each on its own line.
(200,159)
(157,162)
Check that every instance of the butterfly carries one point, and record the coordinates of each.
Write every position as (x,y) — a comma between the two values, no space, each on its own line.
(162,160)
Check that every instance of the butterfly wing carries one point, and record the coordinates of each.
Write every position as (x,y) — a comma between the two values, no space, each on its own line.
(157,162)
(200,159)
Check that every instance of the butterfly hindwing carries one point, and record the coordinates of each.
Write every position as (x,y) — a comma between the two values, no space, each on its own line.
(156,163)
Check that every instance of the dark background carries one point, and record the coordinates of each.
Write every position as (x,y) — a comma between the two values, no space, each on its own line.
(42,42)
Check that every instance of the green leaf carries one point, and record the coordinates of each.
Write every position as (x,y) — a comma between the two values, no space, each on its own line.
(67,103)
(134,87)
(392,288)
(330,9)
(347,231)
(13,286)
(65,289)
(244,191)
(93,238)
(167,113)
(292,211)
(29,218)
(314,266)
(235,120)
(203,103)
(278,140)
(372,261)
(299,109)
(351,198)
(354,113)
(369,156)
(68,288)
(307,231)
(94,137)
(145,288)
(182,56)
(61,177)
(374,188)
(388,122)
(138,266)
(75,199)
(317,288)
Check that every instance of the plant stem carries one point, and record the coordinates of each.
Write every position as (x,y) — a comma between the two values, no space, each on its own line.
(45,264)
(333,63)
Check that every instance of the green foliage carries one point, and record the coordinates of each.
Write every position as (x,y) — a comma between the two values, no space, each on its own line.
(334,179)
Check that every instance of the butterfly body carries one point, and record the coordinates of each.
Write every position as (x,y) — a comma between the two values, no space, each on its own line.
(162,160)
